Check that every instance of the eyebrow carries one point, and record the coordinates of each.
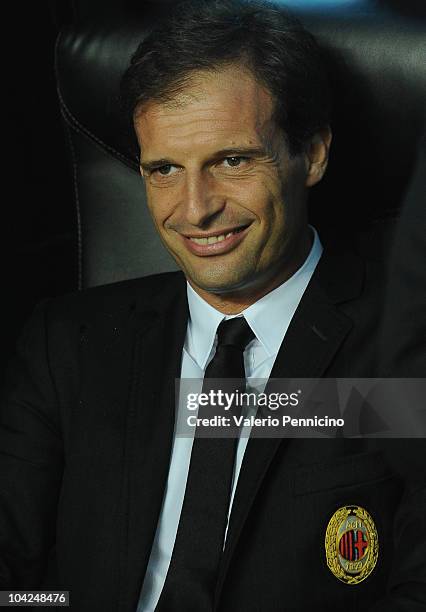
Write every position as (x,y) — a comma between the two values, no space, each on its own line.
(228,152)
(155,163)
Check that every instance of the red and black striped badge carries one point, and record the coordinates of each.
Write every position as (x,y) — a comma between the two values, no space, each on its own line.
(353,545)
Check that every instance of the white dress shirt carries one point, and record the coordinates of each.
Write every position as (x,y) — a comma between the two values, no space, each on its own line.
(269,318)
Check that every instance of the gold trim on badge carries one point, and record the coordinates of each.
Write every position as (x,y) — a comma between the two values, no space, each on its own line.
(351,544)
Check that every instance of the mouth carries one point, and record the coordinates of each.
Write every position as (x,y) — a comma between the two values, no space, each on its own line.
(215,243)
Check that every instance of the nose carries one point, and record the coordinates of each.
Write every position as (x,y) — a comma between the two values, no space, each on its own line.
(200,199)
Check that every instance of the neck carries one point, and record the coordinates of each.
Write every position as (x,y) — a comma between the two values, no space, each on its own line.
(231,303)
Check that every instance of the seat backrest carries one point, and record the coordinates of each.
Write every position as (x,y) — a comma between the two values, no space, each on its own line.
(378,73)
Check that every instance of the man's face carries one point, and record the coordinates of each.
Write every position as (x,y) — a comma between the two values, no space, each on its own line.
(225,196)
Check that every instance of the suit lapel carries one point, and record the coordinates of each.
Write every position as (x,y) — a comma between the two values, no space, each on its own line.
(160,338)
(315,334)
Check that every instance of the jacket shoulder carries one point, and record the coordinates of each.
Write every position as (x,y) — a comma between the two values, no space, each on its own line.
(113,299)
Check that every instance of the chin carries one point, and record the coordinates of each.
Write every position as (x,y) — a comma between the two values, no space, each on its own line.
(220,283)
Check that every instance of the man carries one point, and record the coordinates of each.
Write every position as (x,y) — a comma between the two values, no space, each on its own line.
(231,110)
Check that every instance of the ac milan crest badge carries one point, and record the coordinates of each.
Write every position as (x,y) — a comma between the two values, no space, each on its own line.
(351,544)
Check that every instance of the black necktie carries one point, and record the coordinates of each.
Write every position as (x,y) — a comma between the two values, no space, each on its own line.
(192,574)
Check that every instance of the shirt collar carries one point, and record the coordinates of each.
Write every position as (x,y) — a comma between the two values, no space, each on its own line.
(269,317)
(203,323)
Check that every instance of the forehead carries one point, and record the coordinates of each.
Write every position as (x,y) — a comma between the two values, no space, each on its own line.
(223,108)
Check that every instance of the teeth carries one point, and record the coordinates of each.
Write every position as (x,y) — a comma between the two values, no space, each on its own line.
(211,239)
(214,239)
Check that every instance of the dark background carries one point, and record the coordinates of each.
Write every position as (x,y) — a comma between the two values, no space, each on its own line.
(40,231)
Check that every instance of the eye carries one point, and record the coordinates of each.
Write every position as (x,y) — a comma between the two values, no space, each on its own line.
(165,170)
(234,161)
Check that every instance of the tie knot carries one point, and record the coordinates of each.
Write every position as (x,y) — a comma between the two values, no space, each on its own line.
(234,332)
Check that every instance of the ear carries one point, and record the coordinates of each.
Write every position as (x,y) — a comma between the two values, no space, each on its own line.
(316,156)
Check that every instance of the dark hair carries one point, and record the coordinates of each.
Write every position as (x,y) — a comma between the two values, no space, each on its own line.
(205,35)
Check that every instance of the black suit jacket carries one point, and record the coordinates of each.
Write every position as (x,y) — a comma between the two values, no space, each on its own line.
(87,426)
(404,335)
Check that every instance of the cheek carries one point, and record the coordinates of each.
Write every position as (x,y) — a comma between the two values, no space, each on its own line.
(269,203)
(160,204)
(269,206)
(256,194)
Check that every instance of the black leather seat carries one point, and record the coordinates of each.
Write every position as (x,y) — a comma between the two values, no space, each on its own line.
(378,71)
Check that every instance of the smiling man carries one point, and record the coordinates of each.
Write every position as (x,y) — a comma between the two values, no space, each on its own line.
(226,195)
(99,493)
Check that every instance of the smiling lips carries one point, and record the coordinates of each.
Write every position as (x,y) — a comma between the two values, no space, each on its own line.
(215,244)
